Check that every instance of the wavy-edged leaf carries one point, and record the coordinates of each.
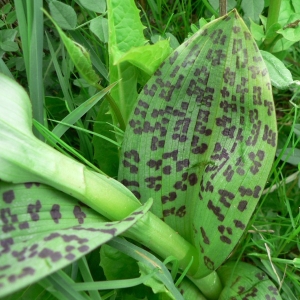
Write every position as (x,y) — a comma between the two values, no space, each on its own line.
(129,51)
(202,138)
(244,281)
(43,230)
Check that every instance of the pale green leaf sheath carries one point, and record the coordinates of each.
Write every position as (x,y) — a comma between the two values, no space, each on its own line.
(202,138)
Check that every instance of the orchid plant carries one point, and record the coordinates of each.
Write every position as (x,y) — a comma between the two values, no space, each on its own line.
(198,147)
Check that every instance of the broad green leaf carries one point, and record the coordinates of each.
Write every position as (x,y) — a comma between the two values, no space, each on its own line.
(99,26)
(126,34)
(7,37)
(125,28)
(244,281)
(143,57)
(286,10)
(5,9)
(296,5)
(282,45)
(98,6)
(202,138)
(257,31)
(272,31)
(43,230)
(79,56)
(9,46)
(291,34)
(280,75)
(11,18)
(252,9)
(31,160)
(63,14)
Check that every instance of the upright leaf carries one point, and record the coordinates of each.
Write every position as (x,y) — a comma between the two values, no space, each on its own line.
(126,41)
(202,138)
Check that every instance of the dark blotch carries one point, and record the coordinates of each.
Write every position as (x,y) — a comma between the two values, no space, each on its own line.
(55,213)
(79,214)
(8,196)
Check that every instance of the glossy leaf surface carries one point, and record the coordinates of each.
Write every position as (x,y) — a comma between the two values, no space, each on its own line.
(202,138)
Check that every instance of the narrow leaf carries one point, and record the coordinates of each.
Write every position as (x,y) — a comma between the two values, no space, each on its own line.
(77,113)
(202,138)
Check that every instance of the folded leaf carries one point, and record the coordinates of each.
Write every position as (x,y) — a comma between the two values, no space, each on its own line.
(202,138)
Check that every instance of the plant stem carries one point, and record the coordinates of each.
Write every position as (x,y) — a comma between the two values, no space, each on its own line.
(272,19)
(273,13)
(223,7)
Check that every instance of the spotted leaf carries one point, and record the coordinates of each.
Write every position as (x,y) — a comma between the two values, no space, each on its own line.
(43,230)
(202,138)
(244,281)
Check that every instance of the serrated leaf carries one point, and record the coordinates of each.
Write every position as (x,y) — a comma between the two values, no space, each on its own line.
(43,230)
(202,138)
(126,34)
(244,281)
(280,75)
(63,14)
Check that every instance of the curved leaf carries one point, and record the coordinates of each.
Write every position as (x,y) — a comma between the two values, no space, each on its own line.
(202,138)
(43,230)
(280,75)
(244,281)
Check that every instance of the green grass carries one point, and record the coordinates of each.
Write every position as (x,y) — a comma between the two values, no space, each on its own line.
(56,89)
